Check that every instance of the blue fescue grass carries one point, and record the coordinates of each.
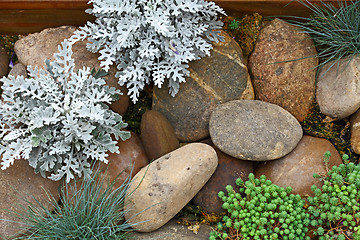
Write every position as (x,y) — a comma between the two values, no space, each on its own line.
(335,30)
(89,209)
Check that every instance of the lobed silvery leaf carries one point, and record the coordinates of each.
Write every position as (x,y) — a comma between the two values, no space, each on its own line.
(142,36)
(58,119)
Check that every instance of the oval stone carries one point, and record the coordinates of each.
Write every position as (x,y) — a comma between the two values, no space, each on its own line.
(158,192)
(218,78)
(228,170)
(157,134)
(130,160)
(254,130)
(338,89)
(297,168)
(291,84)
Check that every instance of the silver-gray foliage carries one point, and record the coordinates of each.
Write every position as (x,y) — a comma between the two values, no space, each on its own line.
(57,119)
(151,40)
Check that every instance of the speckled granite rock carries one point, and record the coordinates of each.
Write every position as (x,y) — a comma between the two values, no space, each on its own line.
(174,231)
(291,85)
(18,70)
(254,130)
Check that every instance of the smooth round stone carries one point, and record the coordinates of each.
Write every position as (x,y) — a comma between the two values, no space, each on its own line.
(338,88)
(17,183)
(297,168)
(254,130)
(157,134)
(228,170)
(18,70)
(215,79)
(160,190)
(129,161)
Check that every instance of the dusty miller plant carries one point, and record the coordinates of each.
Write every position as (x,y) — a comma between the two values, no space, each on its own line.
(57,119)
(151,40)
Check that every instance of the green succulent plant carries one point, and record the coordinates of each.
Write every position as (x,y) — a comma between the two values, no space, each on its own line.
(234,24)
(335,208)
(261,210)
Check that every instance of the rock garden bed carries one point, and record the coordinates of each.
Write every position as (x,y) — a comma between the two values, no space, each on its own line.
(256,106)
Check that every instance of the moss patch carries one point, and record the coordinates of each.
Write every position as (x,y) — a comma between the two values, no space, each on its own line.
(192,215)
(135,111)
(8,42)
(245,30)
(337,131)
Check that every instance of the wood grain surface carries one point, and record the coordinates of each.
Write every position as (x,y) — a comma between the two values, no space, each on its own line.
(28,16)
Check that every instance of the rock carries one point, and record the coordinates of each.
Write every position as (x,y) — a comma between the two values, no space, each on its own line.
(297,168)
(291,85)
(157,135)
(254,130)
(161,190)
(338,89)
(18,70)
(16,183)
(174,231)
(4,62)
(216,79)
(228,170)
(35,48)
(130,160)
(355,131)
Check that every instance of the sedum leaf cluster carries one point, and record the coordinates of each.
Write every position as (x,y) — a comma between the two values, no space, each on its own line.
(151,40)
(58,119)
(261,210)
(335,208)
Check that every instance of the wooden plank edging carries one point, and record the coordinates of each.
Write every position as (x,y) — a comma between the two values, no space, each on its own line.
(28,16)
